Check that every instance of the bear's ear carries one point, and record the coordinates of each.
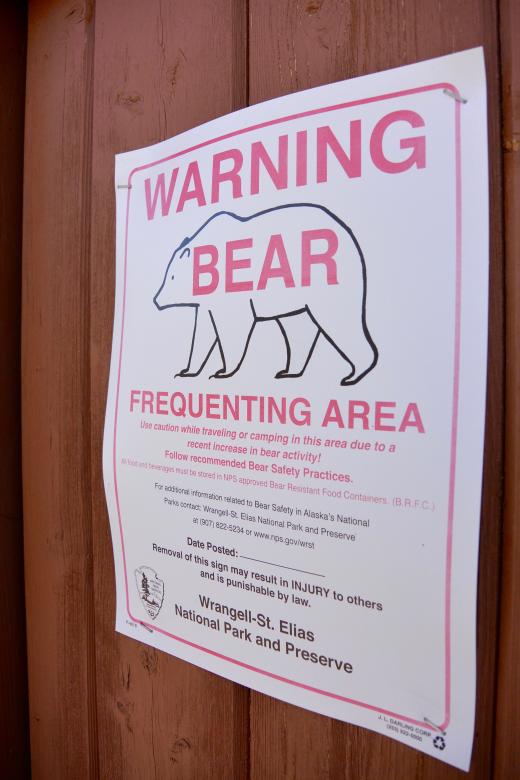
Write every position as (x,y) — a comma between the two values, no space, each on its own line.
(184,242)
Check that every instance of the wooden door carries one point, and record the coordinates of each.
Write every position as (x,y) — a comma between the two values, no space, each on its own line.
(105,76)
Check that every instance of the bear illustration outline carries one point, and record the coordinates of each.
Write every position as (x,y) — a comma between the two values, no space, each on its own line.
(207,331)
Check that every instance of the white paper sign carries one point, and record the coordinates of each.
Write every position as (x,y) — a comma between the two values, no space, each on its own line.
(294,428)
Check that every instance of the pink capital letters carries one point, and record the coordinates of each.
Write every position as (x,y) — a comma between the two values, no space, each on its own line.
(209,268)
(417,156)
(232,175)
(325,258)
(276,247)
(235,264)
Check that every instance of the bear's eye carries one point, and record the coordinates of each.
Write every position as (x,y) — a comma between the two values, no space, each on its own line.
(187,250)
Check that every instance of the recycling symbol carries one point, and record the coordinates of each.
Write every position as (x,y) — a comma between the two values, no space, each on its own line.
(439,743)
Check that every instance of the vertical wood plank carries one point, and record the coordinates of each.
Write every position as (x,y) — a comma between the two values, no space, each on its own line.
(14,741)
(55,392)
(160,68)
(507,761)
(295,45)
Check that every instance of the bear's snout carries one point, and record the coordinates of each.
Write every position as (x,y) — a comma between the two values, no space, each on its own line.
(157,299)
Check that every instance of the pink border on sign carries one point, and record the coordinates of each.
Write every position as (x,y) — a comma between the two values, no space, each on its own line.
(456,373)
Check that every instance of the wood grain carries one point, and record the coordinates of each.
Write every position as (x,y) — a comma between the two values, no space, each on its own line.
(507,761)
(12,78)
(14,741)
(295,45)
(159,70)
(55,392)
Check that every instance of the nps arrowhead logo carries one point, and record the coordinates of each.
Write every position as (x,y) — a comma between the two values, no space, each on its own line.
(150,589)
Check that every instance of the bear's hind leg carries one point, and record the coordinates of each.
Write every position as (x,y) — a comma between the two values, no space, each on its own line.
(300,335)
(349,336)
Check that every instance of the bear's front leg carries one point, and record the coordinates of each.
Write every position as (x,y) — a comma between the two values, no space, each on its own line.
(234,330)
(203,343)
